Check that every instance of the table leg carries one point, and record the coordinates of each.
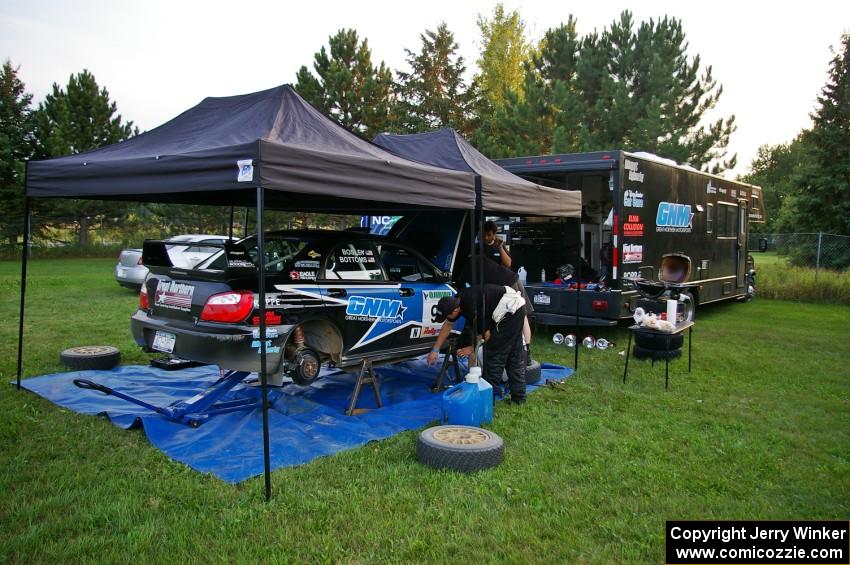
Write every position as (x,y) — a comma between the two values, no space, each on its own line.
(628,352)
(667,364)
(690,341)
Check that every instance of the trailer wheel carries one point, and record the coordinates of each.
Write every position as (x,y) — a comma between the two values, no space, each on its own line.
(97,357)
(656,354)
(658,342)
(532,372)
(689,306)
(460,448)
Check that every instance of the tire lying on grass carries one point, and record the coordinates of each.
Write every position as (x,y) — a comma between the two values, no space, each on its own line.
(97,357)
(656,354)
(532,372)
(460,448)
(659,341)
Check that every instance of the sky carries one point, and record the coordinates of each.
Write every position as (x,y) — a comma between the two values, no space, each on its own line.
(157,58)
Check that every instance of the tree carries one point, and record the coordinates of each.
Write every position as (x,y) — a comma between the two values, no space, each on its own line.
(16,145)
(434,95)
(80,118)
(777,169)
(504,49)
(349,88)
(626,88)
(822,202)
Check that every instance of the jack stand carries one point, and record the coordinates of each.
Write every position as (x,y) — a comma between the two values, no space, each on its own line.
(450,358)
(366,376)
(192,411)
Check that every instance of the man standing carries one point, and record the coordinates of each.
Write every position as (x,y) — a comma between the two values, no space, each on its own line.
(501,320)
(493,246)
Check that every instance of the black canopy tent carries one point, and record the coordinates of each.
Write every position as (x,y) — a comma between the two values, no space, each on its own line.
(448,149)
(269,149)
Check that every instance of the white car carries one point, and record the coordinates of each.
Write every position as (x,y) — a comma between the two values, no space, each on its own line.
(189,251)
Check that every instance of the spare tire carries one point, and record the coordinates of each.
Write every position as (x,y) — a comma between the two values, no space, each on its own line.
(460,448)
(98,357)
(532,372)
(656,354)
(658,341)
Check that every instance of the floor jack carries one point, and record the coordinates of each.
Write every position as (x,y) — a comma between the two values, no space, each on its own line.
(193,411)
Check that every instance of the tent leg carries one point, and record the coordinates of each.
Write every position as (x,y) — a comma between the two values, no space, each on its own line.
(230,229)
(578,304)
(261,284)
(24,257)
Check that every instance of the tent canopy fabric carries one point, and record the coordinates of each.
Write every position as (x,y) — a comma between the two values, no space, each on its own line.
(500,190)
(305,160)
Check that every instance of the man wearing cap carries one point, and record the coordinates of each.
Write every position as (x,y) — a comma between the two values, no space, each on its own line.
(501,320)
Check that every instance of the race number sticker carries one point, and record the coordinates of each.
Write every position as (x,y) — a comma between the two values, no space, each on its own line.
(430,298)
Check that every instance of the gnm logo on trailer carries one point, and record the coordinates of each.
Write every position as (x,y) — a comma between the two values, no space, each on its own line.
(374,307)
(674,217)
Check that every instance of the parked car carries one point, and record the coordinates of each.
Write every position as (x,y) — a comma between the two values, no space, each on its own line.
(331,297)
(131,272)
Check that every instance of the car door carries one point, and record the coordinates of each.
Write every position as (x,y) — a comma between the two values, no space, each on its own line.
(420,288)
(370,312)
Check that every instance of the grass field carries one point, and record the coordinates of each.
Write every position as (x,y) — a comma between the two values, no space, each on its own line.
(759,430)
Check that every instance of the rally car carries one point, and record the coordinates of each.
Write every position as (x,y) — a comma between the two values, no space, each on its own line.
(331,297)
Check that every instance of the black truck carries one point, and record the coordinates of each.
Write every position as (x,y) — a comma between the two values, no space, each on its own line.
(638,212)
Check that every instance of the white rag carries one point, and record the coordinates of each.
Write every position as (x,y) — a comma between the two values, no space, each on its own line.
(510,302)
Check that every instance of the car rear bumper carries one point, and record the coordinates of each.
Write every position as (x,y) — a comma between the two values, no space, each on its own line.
(130,276)
(230,347)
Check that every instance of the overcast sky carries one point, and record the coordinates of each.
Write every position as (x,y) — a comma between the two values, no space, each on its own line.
(158,58)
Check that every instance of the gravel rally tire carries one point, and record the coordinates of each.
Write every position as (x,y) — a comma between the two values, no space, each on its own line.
(98,357)
(656,354)
(532,373)
(658,342)
(460,448)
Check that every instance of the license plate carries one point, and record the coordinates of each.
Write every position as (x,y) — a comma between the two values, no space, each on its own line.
(164,341)
(542,299)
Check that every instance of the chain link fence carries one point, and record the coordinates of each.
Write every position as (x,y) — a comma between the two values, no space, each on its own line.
(814,250)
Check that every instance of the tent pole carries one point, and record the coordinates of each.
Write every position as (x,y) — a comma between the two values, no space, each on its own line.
(24,257)
(478,271)
(578,302)
(230,230)
(261,283)
(245,224)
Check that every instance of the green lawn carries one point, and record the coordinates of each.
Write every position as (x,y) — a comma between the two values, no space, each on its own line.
(759,430)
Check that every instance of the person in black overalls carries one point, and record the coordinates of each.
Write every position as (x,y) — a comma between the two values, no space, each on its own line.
(503,350)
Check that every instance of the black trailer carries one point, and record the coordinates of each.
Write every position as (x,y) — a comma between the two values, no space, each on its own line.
(637,208)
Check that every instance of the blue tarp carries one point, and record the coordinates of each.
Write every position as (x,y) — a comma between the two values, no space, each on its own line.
(304,422)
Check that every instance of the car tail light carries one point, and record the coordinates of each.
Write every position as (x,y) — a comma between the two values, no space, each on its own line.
(599,304)
(272,319)
(139,262)
(228,306)
(144,303)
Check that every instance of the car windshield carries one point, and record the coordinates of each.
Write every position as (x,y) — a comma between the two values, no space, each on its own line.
(280,251)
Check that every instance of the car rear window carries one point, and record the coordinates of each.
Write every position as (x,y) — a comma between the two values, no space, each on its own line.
(281,252)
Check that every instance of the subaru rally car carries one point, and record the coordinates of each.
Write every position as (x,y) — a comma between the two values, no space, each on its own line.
(335,297)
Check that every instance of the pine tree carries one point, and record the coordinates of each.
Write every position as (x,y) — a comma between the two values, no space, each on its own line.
(79,118)
(348,87)
(16,145)
(823,199)
(434,95)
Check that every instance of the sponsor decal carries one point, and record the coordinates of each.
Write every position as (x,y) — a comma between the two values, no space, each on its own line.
(240,263)
(734,193)
(246,170)
(672,217)
(430,298)
(634,173)
(271,333)
(174,295)
(710,189)
(415,332)
(631,275)
(269,347)
(364,308)
(307,264)
(313,254)
(273,301)
(633,227)
(302,275)
(355,256)
(430,331)
(633,199)
(542,299)
(632,253)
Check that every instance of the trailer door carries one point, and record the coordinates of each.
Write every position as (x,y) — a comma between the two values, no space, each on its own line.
(741,260)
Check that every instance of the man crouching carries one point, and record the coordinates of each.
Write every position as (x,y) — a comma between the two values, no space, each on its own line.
(501,318)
